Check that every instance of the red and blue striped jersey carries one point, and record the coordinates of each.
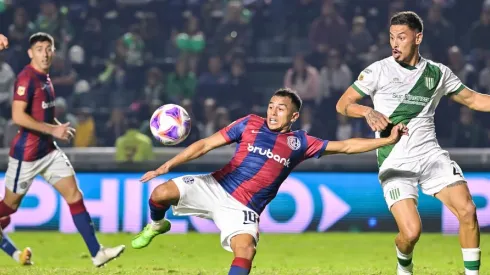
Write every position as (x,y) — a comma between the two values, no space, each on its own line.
(34,88)
(263,160)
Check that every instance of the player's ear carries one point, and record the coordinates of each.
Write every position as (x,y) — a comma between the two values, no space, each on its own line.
(294,117)
(29,52)
(418,38)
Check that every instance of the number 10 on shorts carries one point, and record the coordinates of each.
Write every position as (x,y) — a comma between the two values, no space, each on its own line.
(249,217)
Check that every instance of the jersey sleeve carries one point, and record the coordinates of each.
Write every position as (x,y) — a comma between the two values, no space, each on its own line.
(233,132)
(314,147)
(367,81)
(451,84)
(22,88)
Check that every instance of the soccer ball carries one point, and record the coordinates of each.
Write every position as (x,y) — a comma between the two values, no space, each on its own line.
(170,124)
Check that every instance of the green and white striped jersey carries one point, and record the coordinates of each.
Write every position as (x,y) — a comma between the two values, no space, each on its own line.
(409,95)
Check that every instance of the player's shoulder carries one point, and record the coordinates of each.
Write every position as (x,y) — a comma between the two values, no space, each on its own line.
(24,75)
(377,65)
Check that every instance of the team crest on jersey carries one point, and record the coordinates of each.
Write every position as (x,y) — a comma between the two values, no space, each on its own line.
(294,143)
(361,77)
(21,90)
(430,83)
(188,180)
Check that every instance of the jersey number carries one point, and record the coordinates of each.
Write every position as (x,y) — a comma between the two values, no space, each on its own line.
(456,170)
(249,217)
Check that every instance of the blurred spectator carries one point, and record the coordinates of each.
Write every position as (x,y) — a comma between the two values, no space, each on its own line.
(335,76)
(222,118)
(214,83)
(300,14)
(466,133)
(154,89)
(479,32)
(7,80)
(484,78)
(233,33)
(208,125)
(181,83)
(63,77)
(20,29)
(85,135)
(240,97)
(464,70)
(9,133)
(345,130)
(359,39)
(438,33)
(56,23)
(133,146)
(191,42)
(304,79)
(329,31)
(380,50)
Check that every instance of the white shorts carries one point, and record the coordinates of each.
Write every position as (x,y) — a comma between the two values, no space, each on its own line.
(52,167)
(202,196)
(401,180)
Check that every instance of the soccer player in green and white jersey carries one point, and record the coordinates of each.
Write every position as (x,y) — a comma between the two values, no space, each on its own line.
(406,88)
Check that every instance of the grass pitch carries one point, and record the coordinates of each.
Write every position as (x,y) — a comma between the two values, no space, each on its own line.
(329,253)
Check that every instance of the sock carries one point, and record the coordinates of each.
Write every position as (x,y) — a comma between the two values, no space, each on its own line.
(404,260)
(8,247)
(471,258)
(157,210)
(84,224)
(5,210)
(240,266)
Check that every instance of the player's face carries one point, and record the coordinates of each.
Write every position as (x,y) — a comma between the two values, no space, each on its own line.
(281,114)
(41,55)
(404,42)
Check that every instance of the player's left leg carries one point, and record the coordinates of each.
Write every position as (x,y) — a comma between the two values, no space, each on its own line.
(243,246)
(457,198)
(61,175)
(23,257)
(444,179)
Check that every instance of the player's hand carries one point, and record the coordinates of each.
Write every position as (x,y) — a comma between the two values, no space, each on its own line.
(397,132)
(4,42)
(153,174)
(376,120)
(63,132)
(71,131)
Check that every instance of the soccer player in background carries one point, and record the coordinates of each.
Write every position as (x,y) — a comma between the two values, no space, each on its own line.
(406,88)
(33,150)
(234,197)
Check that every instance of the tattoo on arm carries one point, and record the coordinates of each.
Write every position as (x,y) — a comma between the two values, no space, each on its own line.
(456,183)
(372,117)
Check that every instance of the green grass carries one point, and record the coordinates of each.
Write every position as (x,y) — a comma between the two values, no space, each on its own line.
(330,253)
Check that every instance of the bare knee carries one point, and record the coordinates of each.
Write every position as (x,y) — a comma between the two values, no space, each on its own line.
(467,213)
(243,246)
(411,234)
(166,193)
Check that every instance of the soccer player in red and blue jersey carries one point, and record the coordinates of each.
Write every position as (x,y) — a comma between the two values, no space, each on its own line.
(33,150)
(234,196)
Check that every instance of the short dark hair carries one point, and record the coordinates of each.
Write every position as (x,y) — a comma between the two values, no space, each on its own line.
(408,18)
(40,37)
(286,92)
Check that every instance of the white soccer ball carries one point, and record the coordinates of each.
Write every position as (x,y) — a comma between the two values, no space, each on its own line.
(170,124)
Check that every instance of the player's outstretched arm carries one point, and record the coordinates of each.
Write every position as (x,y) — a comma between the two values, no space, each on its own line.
(473,100)
(361,145)
(193,151)
(348,106)
(22,119)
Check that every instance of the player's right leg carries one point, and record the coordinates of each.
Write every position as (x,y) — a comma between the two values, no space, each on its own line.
(243,246)
(161,198)
(400,188)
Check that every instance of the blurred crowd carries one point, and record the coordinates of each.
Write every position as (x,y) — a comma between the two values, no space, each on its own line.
(119,60)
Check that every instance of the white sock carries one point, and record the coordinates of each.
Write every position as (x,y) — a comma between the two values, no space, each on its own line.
(471,258)
(404,260)
(156,225)
(16,255)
